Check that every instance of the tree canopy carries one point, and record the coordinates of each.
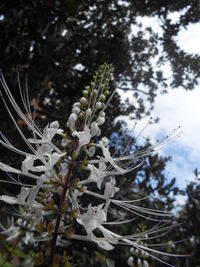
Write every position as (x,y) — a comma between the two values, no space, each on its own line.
(60,44)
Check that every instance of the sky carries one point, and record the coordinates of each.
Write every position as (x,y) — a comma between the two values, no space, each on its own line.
(178,107)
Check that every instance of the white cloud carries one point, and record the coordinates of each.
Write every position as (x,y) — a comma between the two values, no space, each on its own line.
(178,107)
(189,40)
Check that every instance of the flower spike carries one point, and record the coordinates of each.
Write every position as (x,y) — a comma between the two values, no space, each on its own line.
(69,166)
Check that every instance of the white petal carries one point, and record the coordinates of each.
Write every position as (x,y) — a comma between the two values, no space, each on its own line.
(27,164)
(64,142)
(110,262)
(23,194)
(108,236)
(110,189)
(54,124)
(104,244)
(83,136)
(97,175)
(8,199)
(36,141)
(32,195)
(91,151)
(105,141)
(53,159)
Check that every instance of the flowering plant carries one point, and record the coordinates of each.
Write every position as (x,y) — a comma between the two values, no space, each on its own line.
(62,168)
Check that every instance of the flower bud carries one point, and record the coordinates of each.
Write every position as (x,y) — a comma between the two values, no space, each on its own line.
(88,112)
(100,120)
(130,261)
(102,98)
(132,250)
(98,105)
(77,104)
(92,84)
(19,221)
(83,100)
(94,93)
(105,142)
(145,263)
(137,252)
(146,254)
(76,110)
(85,93)
(94,129)
(106,92)
(98,132)
(71,121)
(139,262)
(102,114)
(54,125)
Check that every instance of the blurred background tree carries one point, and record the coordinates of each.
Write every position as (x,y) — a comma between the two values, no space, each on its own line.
(60,44)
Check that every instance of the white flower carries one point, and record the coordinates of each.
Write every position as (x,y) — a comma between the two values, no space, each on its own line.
(25,197)
(27,165)
(84,137)
(75,195)
(108,157)
(49,132)
(45,155)
(110,188)
(97,174)
(29,239)
(12,232)
(93,218)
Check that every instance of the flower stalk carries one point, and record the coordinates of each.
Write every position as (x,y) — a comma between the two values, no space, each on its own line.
(59,213)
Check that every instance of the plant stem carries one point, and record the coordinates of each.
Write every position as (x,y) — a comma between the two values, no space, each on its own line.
(59,214)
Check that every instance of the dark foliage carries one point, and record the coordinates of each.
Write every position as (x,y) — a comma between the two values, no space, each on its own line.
(60,44)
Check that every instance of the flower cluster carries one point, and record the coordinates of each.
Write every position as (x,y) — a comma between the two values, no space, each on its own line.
(68,178)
